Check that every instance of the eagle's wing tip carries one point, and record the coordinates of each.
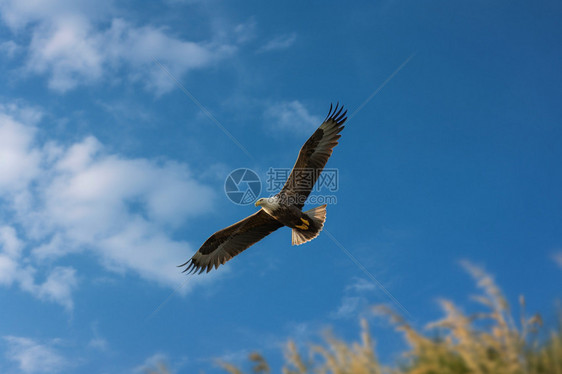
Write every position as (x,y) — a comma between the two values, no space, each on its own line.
(337,113)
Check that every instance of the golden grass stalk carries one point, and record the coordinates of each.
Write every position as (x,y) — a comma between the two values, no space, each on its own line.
(487,342)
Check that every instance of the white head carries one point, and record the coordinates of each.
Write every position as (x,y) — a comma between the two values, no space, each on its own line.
(267,202)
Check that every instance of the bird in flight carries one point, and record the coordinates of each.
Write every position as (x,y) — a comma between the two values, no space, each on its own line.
(282,209)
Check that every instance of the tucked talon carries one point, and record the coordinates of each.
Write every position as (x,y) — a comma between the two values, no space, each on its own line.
(302,227)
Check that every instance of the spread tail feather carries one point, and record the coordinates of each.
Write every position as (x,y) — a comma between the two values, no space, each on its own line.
(318,216)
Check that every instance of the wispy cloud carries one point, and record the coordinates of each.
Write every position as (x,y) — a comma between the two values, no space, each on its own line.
(10,252)
(158,362)
(18,162)
(58,285)
(279,43)
(290,116)
(97,342)
(73,48)
(348,307)
(361,285)
(77,197)
(354,300)
(245,32)
(9,48)
(19,14)
(32,356)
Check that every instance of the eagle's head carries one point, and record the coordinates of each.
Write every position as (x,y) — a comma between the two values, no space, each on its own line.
(267,202)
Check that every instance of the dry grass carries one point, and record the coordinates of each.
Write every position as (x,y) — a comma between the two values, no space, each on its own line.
(489,342)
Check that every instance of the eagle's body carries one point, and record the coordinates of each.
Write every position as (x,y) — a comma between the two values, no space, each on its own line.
(288,215)
(306,225)
(283,209)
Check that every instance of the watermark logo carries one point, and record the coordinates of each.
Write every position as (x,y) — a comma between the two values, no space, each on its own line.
(242,186)
(306,179)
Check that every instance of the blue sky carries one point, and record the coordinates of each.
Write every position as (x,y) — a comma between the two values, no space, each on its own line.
(110,175)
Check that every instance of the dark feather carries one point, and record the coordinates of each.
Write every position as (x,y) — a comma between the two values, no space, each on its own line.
(228,242)
(313,156)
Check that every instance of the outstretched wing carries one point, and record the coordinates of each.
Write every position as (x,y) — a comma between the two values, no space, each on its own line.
(228,242)
(313,156)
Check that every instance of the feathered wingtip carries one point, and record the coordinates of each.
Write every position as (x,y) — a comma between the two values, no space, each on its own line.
(337,114)
(191,267)
(194,268)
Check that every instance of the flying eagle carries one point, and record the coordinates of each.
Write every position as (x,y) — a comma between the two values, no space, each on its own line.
(282,209)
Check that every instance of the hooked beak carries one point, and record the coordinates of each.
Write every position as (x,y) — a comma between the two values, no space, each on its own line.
(257,203)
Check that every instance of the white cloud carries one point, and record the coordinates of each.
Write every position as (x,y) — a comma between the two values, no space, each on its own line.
(8,270)
(58,285)
(98,343)
(35,357)
(154,363)
(354,300)
(71,48)
(10,253)
(69,199)
(19,162)
(291,116)
(348,307)
(9,242)
(245,32)
(9,48)
(361,285)
(22,113)
(18,14)
(279,43)
(139,46)
(69,51)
